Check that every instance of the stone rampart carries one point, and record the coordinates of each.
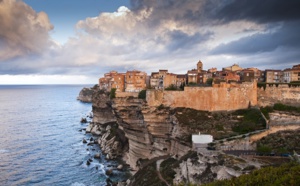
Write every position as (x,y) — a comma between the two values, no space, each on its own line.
(206,98)
(281,94)
(126,94)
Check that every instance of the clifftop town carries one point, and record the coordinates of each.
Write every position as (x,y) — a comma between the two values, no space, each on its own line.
(135,81)
(154,133)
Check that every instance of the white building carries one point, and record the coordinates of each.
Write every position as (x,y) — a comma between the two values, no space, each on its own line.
(200,141)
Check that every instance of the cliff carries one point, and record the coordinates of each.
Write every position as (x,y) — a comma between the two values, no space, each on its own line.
(193,168)
(151,132)
(85,95)
(146,135)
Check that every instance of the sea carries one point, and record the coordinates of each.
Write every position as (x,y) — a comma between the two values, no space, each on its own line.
(41,138)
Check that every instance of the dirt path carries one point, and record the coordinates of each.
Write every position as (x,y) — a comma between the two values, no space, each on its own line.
(158,162)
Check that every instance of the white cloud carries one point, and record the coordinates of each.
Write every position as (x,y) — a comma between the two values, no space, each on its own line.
(23,31)
(155,35)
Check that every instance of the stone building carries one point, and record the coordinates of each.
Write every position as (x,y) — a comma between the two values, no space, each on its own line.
(192,76)
(247,75)
(157,79)
(199,66)
(180,80)
(135,81)
(273,76)
(170,79)
(291,74)
(113,79)
(233,68)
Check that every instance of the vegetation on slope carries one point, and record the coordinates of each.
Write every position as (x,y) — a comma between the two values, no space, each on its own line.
(142,94)
(282,142)
(279,107)
(287,174)
(220,124)
(147,176)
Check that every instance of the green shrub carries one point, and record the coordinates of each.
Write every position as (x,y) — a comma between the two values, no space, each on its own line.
(287,174)
(282,107)
(171,87)
(112,94)
(142,94)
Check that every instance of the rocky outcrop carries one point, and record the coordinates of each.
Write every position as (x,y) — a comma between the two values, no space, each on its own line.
(104,125)
(200,168)
(284,118)
(151,132)
(142,134)
(85,95)
(193,168)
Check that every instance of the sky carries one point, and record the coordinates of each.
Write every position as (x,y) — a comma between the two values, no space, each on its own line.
(76,42)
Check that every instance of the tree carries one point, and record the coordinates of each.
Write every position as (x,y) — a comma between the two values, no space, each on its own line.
(209,81)
(112,94)
(142,94)
(182,86)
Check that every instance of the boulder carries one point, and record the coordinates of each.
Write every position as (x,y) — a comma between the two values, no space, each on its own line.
(84,141)
(97,156)
(109,172)
(89,128)
(83,120)
(120,167)
(88,163)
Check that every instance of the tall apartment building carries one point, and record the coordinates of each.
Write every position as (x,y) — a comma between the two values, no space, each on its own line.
(113,79)
(192,76)
(273,76)
(135,81)
(163,79)
(291,74)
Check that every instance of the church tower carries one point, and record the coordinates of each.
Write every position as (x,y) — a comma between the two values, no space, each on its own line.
(199,66)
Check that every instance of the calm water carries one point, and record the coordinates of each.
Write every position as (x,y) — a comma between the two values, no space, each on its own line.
(41,141)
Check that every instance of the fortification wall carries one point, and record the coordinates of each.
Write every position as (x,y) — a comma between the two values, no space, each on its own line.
(206,98)
(126,94)
(281,94)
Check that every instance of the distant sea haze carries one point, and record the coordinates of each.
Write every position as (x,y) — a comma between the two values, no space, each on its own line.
(41,137)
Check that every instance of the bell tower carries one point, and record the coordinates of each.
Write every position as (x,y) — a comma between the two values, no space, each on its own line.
(199,66)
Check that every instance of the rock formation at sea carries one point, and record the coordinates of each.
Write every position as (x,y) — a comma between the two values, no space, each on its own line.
(85,95)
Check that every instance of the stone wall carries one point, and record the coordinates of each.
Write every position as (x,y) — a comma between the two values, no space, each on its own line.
(206,98)
(126,94)
(282,93)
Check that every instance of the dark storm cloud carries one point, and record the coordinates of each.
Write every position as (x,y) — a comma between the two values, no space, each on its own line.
(261,11)
(181,40)
(221,11)
(287,36)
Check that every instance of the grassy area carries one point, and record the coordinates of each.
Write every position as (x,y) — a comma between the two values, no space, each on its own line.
(147,177)
(287,174)
(167,169)
(279,107)
(220,124)
(251,121)
(282,142)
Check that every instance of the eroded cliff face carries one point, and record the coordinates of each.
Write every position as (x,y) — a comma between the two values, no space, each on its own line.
(200,168)
(130,128)
(85,95)
(111,139)
(192,168)
(151,131)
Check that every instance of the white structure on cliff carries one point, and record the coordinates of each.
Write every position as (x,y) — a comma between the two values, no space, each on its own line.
(200,141)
